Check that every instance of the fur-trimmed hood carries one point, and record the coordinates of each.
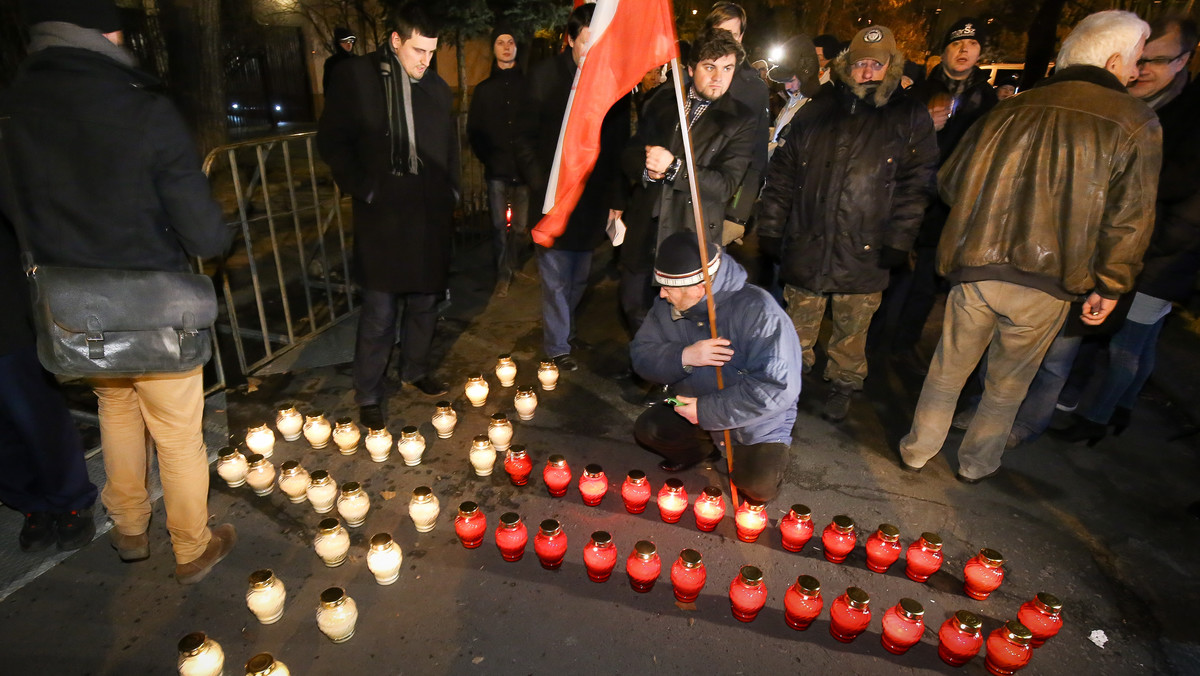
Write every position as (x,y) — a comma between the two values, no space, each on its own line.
(840,70)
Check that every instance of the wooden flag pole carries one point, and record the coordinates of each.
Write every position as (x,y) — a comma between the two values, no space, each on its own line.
(702,242)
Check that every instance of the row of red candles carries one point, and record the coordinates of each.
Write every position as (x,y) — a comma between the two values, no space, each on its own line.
(1009,647)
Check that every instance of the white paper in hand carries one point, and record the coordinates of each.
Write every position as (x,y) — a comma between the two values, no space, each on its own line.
(615,230)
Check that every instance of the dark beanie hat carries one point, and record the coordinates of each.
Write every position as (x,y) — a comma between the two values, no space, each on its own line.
(678,261)
(829,45)
(502,29)
(967,28)
(342,33)
(101,15)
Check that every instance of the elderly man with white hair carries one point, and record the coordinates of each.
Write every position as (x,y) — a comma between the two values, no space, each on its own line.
(1052,202)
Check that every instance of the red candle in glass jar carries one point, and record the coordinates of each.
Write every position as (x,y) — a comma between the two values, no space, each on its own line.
(643,566)
(751,520)
(517,464)
(983,574)
(550,544)
(883,548)
(839,538)
(511,536)
(1008,649)
(796,528)
(688,576)
(593,484)
(849,614)
(709,508)
(903,625)
(960,638)
(747,593)
(557,475)
(672,501)
(1042,616)
(924,557)
(470,525)
(635,492)
(803,602)
(600,556)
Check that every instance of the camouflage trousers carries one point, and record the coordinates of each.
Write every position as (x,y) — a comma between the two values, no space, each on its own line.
(847,346)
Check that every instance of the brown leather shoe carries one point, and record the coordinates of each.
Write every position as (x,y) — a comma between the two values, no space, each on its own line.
(224,537)
(130,547)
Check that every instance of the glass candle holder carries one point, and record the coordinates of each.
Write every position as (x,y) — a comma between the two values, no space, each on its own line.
(796,528)
(672,500)
(688,576)
(850,614)
(500,431)
(293,481)
(983,574)
(709,509)
(924,557)
(903,625)
(600,556)
(289,422)
(317,430)
(643,566)
(803,602)
(476,390)
(506,370)
(1008,649)
(482,455)
(839,538)
(353,504)
(747,593)
(332,542)
(518,465)
(346,436)
(379,444)
(337,615)
(511,536)
(960,638)
(266,596)
(525,402)
(883,548)
(557,475)
(264,664)
(751,520)
(260,474)
(322,491)
(199,655)
(550,544)
(261,440)
(411,445)
(423,508)
(232,466)
(384,558)
(444,419)
(548,375)
(470,525)
(1042,615)
(593,484)
(635,491)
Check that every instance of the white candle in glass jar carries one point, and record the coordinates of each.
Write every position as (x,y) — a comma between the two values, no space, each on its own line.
(232,466)
(261,440)
(263,664)
(477,390)
(266,596)
(260,475)
(353,504)
(482,456)
(500,432)
(423,508)
(322,491)
(525,402)
(200,656)
(444,420)
(293,481)
(411,446)
(337,615)
(379,444)
(317,430)
(346,436)
(548,375)
(332,542)
(289,422)
(506,370)
(384,558)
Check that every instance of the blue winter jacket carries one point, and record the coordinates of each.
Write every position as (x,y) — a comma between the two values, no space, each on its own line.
(762,380)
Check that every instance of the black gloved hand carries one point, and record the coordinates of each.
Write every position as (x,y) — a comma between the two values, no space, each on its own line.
(892,258)
(771,247)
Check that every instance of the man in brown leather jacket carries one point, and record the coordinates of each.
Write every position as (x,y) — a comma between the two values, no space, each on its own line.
(1052,199)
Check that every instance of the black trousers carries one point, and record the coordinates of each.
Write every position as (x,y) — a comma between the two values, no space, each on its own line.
(41,456)
(757,468)
(377,334)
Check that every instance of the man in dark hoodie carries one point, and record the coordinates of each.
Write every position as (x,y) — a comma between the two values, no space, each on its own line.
(843,200)
(343,50)
(492,125)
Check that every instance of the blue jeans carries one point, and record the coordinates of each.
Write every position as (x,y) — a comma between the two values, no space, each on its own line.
(506,241)
(564,279)
(1130,363)
(1038,408)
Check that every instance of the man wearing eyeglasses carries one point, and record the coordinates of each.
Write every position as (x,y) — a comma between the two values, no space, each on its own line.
(843,199)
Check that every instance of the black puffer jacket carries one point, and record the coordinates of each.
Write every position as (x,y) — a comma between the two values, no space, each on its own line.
(854,177)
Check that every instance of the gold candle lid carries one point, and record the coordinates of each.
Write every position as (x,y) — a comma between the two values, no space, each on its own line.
(932,541)
(690,558)
(645,550)
(329,525)
(808,584)
(409,430)
(256,428)
(711,492)
(287,407)
(751,575)
(556,460)
(290,467)
(381,541)
(510,519)
(1048,602)
(315,415)
(755,506)
(332,597)
(481,441)
(517,451)
(344,421)
(550,527)
(468,508)
(378,432)
(351,487)
(475,378)
(192,644)
(889,533)
(636,476)
(442,404)
(910,608)
(602,538)
(504,357)
(547,365)
(843,524)
(991,557)
(1017,632)
(227,452)
(262,664)
(525,391)
(320,476)
(673,485)
(857,597)
(256,459)
(802,512)
(593,471)
(262,578)
(422,494)
(968,621)
(498,419)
